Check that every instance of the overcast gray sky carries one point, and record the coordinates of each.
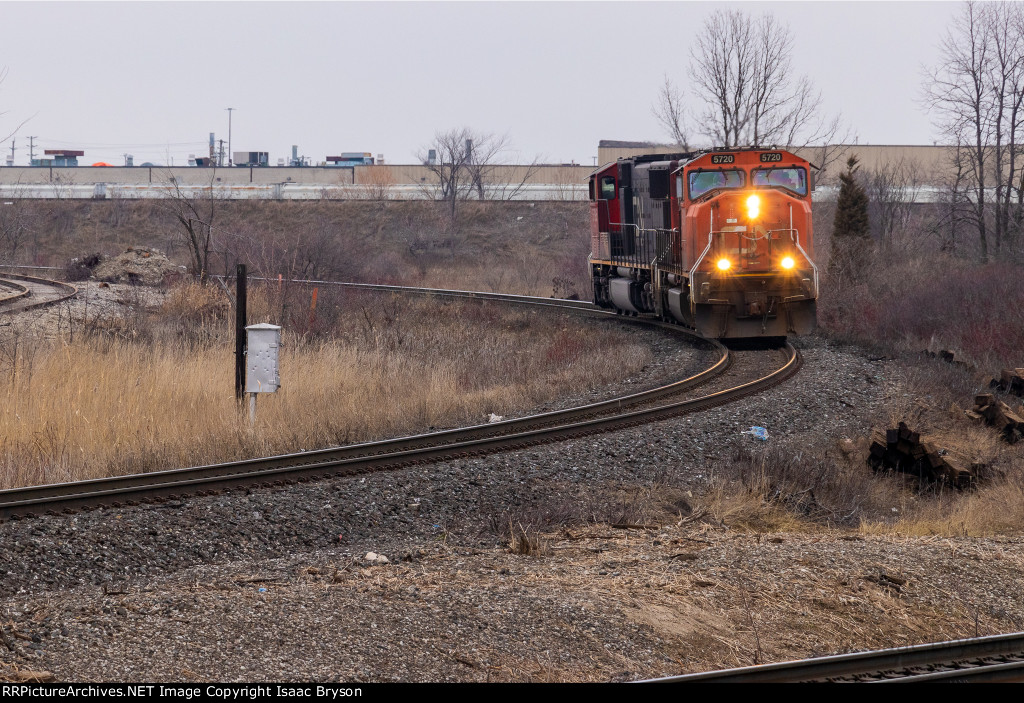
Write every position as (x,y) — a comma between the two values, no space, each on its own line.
(153,79)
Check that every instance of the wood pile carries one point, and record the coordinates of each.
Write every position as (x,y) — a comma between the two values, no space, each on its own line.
(1009,381)
(948,356)
(903,450)
(997,414)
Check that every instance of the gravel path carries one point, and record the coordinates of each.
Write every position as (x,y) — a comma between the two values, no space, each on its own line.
(275,584)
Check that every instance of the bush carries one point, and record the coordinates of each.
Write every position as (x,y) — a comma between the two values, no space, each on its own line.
(81,268)
(932,301)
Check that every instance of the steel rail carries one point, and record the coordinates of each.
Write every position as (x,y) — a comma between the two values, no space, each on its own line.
(19,291)
(20,302)
(994,658)
(425,439)
(359,458)
(301,467)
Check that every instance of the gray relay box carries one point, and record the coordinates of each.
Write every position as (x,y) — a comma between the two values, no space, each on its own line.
(261,373)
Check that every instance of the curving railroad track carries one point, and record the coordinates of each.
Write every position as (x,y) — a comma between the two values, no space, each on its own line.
(980,659)
(18,293)
(617,413)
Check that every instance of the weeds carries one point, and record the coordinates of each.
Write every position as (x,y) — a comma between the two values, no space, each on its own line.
(154,389)
(510,247)
(774,489)
(526,541)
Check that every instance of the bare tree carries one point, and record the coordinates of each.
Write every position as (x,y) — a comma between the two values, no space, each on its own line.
(743,73)
(15,221)
(195,208)
(377,182)
(482,153)
(514,180)
(976,94)
(670,112)
(448,164)
(1006,27)
(956,211)
(892,190)
(466,162)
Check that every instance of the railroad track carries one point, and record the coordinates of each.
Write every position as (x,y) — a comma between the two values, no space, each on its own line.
(18,293)
(617,413)
(981,659)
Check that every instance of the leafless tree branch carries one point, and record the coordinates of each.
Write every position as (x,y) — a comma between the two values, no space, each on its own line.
(669,110)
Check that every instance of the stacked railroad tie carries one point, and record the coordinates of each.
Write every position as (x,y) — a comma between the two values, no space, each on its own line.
(903,450)
(1009,381)
(997,414)
(949,356)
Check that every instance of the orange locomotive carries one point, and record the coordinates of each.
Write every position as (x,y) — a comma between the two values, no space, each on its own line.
(718,240)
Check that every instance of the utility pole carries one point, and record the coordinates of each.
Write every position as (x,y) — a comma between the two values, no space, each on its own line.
(231,156)
(241,320)
(31,149)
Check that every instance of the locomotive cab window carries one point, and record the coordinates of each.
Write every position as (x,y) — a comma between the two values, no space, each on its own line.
(607,190)
(794,179)
(702,182)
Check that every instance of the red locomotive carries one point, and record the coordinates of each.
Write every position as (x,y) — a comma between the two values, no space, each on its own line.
(718,240)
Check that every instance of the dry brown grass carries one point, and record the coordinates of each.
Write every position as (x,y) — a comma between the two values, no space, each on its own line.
(112,403)
(517,247)
(994,509)
(526,541)
(773,492)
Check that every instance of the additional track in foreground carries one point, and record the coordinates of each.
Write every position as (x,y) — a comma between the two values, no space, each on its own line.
(19,293)
(393,453)
(981,659)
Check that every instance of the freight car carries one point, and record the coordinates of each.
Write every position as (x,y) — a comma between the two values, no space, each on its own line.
(719,240)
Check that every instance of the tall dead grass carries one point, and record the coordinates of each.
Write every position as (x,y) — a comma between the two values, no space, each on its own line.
(110,404)
(929,300)
(995,509)
(516,247)
(776,491)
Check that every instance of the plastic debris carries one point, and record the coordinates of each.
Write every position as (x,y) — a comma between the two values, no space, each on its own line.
(758,432)
(495,418)
(263,590)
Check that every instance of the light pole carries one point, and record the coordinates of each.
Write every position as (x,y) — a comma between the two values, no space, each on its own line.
(230,154)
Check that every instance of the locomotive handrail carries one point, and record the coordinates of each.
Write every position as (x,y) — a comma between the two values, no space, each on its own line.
(639,229)
(697,263)
(814,268)
(794,235)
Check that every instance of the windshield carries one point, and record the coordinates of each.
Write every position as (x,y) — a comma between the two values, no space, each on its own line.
(702,182)
(794,179)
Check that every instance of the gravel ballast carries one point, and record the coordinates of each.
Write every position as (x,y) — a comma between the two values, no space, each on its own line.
(273,584)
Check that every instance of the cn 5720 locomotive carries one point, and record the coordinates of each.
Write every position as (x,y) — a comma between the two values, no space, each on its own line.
(718,240)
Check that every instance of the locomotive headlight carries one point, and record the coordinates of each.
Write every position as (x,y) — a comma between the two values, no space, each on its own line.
(723,264)
(753,207)
(787,262)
